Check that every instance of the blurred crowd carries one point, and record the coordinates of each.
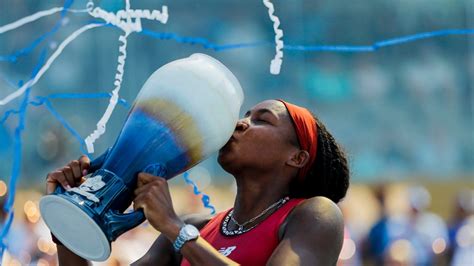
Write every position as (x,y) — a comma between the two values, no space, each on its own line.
(416,236)
(385,225)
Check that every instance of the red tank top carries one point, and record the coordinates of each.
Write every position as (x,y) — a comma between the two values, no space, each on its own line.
(253,247)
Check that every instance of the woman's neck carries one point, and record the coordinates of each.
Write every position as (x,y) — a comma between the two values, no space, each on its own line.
(254,195)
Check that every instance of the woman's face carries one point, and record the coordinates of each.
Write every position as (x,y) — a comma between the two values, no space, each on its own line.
(263,140)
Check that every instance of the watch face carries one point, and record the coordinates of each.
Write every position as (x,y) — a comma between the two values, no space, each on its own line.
(190,231)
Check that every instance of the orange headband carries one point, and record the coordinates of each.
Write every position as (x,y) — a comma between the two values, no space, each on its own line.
(307,132)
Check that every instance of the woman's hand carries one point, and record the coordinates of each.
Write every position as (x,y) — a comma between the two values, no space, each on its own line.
(69,176)
(153,196)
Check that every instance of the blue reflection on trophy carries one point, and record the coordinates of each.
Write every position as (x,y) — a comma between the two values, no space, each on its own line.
(184,112)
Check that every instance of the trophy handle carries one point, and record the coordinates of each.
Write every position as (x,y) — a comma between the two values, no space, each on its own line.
(119,223)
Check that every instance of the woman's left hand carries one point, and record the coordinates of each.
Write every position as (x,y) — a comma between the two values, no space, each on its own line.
(153,196)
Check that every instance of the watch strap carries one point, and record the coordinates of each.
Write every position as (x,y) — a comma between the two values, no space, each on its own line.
(183,238)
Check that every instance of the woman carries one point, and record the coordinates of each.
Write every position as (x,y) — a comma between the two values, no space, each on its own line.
(290,173)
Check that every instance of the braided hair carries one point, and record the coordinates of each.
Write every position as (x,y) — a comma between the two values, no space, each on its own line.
(329,174)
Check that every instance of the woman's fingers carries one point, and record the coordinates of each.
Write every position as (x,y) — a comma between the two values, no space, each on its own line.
(53,179)
(153,196)
(150,187)
(85,164)
(139,202)
(51,184)
(144,178)
(67,171)
(71,175)
(140,190)
(76,169)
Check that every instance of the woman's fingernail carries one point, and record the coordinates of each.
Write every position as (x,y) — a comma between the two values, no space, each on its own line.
(84,172)
(68,187)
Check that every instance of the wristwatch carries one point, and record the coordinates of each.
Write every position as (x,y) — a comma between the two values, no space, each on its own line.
(186,233)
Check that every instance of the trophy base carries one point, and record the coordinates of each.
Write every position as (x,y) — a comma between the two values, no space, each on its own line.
(74,228)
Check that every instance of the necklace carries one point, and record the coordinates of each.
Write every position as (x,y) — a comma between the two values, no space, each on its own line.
(240,230)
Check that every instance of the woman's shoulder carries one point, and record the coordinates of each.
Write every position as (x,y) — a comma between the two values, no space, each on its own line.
(318,204)
(318,207)
(315,225)
(317,211)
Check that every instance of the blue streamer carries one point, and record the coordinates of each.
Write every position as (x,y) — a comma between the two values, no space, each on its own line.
(8,208)
(307,48)
(71,130)
(381,44)
(99,95)
(201,41)
(7,114)
(204,198)
(79,95)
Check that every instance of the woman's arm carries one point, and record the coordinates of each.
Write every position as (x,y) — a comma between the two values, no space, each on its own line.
(162,252)
(70,175)
(153,196)
(67,257)
(197,252)
(313,235)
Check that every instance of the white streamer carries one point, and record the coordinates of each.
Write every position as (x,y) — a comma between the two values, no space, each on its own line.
(48,63)
(124,18)
(113,100)
(34,17)
(275,64)
(129,21)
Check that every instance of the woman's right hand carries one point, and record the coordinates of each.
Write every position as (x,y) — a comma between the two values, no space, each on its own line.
(71,175)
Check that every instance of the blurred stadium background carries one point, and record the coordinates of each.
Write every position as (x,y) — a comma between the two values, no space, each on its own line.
(403,113)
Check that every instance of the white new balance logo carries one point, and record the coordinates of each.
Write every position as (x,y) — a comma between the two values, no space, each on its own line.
(226,251)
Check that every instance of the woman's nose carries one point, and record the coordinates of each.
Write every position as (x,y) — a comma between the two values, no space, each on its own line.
(241,125)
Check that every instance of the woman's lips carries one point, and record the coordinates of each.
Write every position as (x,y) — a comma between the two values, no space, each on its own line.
(231,140)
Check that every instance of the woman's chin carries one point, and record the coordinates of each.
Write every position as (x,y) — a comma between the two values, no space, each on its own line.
(226,158)
(221,157)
